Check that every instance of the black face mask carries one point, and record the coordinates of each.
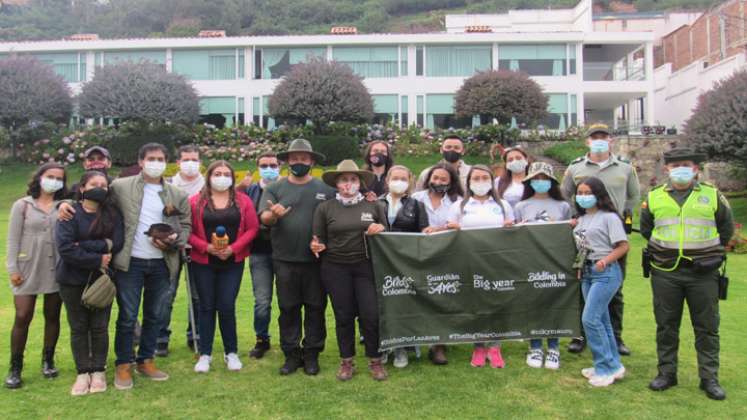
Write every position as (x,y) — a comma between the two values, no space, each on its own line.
(439,188)
(451,156)
(379,159)
(97,195)
(300,169)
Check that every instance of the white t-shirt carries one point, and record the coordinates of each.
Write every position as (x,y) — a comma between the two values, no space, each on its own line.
(476,214)
(392,209)
(151,211)
(513,193)
(436,217)
(190,187)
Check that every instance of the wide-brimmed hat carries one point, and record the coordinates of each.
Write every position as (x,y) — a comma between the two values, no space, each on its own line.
(303,146)
(347,166)
(540,168)
(598,128)
(678,154)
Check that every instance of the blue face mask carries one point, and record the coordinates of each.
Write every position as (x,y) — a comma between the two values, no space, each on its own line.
(269,174)
(599,146)
(541,185)
(681,175)
(586,201)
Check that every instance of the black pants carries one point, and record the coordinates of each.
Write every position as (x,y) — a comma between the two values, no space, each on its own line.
(353,293)
(299,286)
(616,305)
(89,331)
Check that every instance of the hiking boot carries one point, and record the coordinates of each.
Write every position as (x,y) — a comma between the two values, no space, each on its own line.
(534,358)
(81,385)
(712,389)
(311,363)
(437,354)
(123,377)
(260,348)
(347,368)
(98,382)
(662,382)
(378,372)
(162,350)
(48,369)
(13,380)
(292,363)
(148,368)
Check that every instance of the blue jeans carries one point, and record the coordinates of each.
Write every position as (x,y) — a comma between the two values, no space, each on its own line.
(217,289)
(263,276)
(536,344)
(598,289)
(149,280)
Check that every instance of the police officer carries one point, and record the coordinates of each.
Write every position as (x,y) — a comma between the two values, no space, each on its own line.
(621,181)
(687,223)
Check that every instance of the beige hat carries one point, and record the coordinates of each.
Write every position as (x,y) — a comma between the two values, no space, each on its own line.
(540,168)
(347,166)
(300,145)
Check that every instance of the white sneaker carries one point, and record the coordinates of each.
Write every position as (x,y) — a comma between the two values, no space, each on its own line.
(400,358)
(203,364)
(552,360)
(620,373)
(385,357)
(534,358)
(233,362)
(81,385)
(587,372)
(601,380)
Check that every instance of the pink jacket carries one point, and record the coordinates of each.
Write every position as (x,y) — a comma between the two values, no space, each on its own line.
(248,229)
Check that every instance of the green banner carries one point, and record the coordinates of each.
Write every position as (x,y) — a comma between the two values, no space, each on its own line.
(476,285)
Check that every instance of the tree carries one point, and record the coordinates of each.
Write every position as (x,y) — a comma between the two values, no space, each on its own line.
(503,95)
(143,92)
(718,125)
(31,91)
(321,92)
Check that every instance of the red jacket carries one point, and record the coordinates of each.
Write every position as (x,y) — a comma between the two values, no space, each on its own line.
(248,229)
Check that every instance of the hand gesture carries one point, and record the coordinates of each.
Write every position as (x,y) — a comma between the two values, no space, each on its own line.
(16,279)
(371,196)
(375,228)
(278,210)
(65,212)
(316,246)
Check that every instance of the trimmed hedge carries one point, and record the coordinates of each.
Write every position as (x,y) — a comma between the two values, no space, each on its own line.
(335,148)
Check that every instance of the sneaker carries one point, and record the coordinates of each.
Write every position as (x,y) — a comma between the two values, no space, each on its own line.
(619,373)
(552,360)
(203,364)
(260,348)
(347,368)
(81,385)
(495,357)
(378,372)
(587,372)
(534,358)
(479,354)
(232,362)
(123,377)
(400,358)
(148,368)
(601,380)
(98,382)
(162,350)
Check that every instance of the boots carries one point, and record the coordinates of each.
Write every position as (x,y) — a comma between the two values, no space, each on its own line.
(259,350)
(293,361)
(48,369)
(310,362)
(13,380)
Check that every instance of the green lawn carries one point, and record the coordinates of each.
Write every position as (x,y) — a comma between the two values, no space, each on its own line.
(421,390)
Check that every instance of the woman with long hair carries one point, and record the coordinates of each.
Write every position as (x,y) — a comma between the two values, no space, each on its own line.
(86,244)
(224,224)
(31,259)
(510,186)
(442,189)
(378,160)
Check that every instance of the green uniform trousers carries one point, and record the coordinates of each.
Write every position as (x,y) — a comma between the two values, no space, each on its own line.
(700,290)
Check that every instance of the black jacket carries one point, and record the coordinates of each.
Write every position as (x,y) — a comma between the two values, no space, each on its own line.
(411,217)
(261,243)
(80,254)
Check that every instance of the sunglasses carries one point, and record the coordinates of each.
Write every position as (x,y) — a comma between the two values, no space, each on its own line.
(272,165)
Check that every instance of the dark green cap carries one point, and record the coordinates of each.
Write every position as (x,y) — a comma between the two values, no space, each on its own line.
(679,154)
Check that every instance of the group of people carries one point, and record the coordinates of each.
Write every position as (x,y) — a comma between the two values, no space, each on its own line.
(306,238)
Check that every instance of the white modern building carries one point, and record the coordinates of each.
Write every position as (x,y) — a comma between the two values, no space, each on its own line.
(586,74)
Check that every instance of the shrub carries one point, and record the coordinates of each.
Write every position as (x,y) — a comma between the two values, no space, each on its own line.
(335,148)
(566,152)
(131,137)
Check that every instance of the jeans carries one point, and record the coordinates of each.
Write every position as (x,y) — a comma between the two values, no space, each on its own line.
(598,289)
(89,331)
(149,280)
(263,274)
(217,289)
(536,344)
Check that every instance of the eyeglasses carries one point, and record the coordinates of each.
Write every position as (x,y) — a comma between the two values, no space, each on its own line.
(272,165)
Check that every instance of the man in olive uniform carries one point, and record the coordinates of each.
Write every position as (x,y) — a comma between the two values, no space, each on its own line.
(621,181)
(687,223)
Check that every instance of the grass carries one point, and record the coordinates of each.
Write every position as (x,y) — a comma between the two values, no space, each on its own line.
(421,390)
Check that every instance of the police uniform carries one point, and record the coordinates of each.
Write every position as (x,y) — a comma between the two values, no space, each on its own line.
(686,232)
(621,181)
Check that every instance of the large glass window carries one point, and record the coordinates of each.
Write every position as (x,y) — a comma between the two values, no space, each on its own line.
(535,60)
(385,108)
(440,113)
(206,64)
(110,57)
(277,62)
(557,108)
(66,65)
(218,110)
(457,61)
(368,61)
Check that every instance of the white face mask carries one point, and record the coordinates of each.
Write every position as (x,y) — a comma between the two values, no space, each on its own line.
(51,185)
(154,168)
(398,186)
(221,183)
(517,165)
(189,167)
(480,188)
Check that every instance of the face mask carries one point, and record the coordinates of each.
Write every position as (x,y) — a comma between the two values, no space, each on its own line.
(221,183)
(154,169)
(97,195)
(379,159)
(398,187)
(300,169)
(586,201)
(451,156)
(51,185)
(189,167)
(599,146)
(349,188)
(517,165)
(269,174)
(541,185)
(681,175)
(439,188)
(480,188)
